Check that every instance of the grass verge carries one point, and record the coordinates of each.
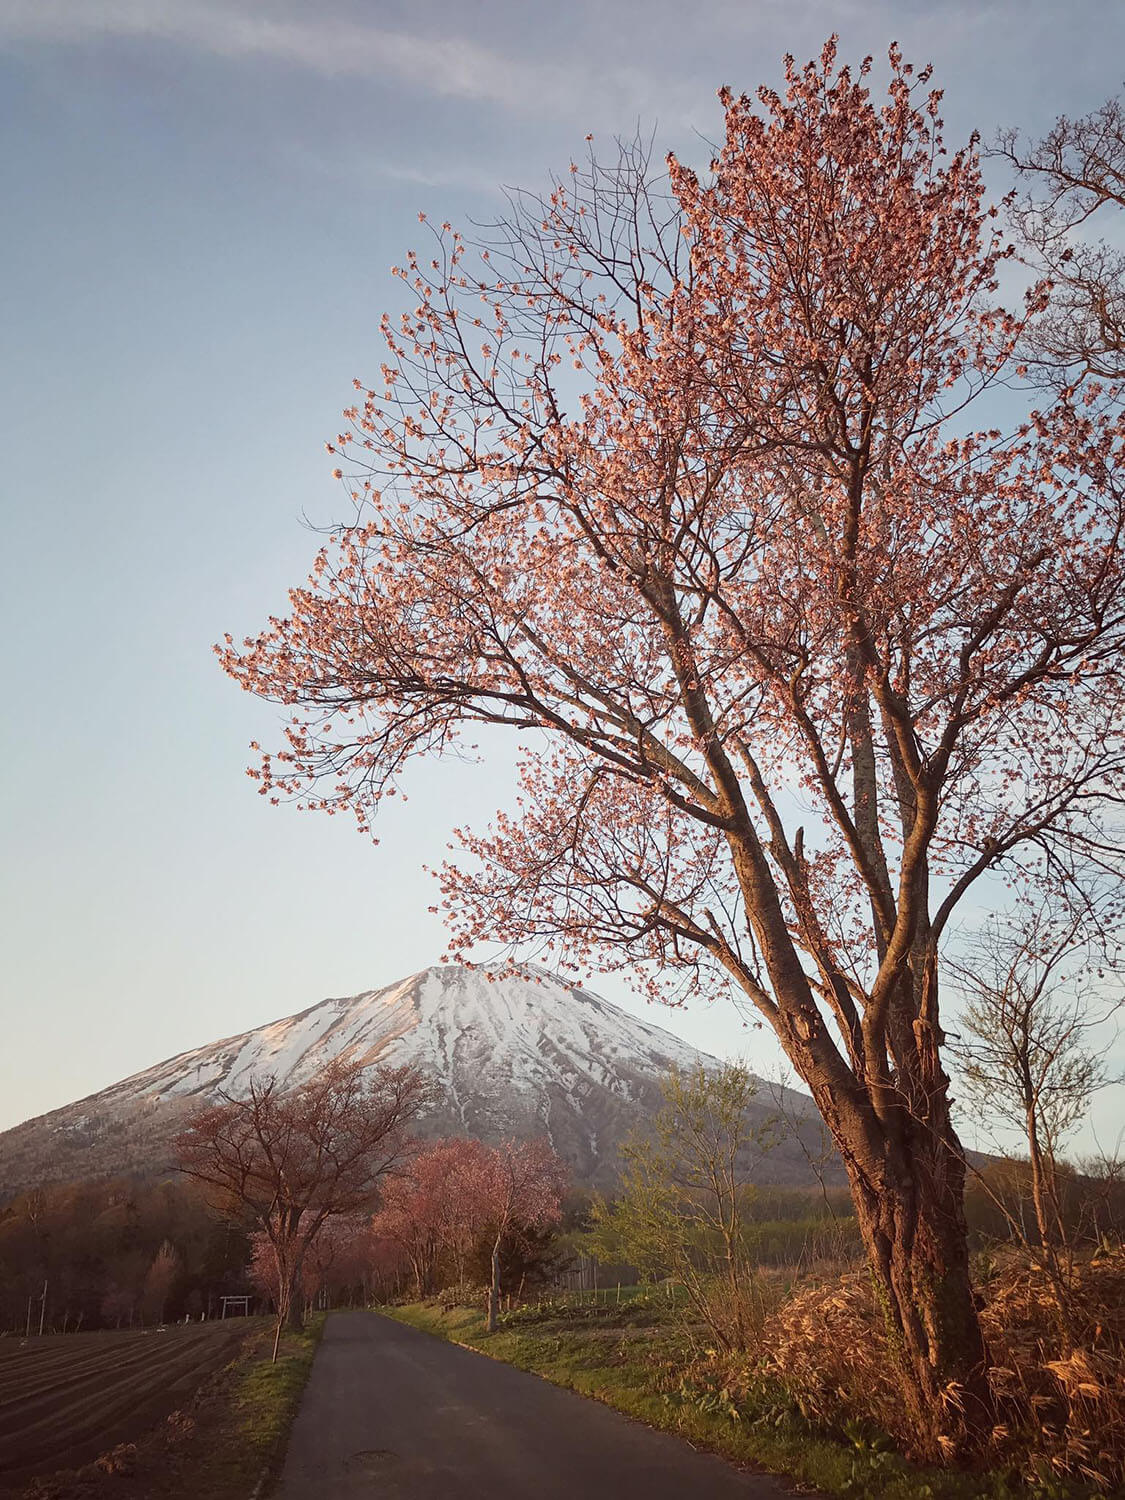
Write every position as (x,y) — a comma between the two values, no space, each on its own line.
(265,1400)
(630,1356)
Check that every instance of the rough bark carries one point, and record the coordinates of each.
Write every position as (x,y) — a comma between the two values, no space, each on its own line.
(907,1179)
(917,1241)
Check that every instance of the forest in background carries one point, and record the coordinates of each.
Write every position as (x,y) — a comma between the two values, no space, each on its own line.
(127,1252)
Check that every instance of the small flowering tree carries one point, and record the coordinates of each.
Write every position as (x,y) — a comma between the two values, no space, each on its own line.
(290,1160)
(684,480)
(337,1255)
(519,1187)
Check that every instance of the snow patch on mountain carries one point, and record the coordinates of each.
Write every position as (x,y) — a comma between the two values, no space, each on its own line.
(522,1030)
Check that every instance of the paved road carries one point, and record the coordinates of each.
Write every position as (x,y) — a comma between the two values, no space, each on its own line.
(391,1412)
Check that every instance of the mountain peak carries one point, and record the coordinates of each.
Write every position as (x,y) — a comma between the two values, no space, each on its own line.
(520,1051)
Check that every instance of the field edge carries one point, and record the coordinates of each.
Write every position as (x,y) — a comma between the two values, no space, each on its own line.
(266,1398)
(228,1442)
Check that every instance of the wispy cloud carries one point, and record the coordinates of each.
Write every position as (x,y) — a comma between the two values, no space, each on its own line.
(333,46)
(597,66)
(362,170)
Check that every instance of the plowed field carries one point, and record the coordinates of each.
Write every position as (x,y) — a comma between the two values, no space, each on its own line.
(67,1398)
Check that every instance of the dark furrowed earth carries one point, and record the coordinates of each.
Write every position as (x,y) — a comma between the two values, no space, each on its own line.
(65,1399)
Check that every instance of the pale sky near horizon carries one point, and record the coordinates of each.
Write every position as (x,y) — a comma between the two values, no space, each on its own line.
(203,200)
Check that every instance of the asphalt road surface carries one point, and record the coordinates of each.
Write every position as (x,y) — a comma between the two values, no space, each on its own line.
(391,1412)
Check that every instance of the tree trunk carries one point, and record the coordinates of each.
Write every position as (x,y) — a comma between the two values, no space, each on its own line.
(888,1115)
(295,1312)
(290,1309)
(907,1185)
(494,1289)
(1042,1197)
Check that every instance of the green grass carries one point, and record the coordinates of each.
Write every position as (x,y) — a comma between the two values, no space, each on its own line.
(627,1356)
(265,1398)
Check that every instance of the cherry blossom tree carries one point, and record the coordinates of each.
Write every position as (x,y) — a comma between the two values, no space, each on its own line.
(263,1273)
(385,1269)
(336,1258)
(519,1187)
(291,1160)
(459,1190)
(682,478)
(463,1209)
(434,1209)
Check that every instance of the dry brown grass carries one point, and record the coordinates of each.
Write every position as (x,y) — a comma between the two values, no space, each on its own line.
(827,1345)
(1059,1380)
(1063,1369)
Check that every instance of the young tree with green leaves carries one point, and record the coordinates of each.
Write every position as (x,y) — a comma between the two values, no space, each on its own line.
(687,1192)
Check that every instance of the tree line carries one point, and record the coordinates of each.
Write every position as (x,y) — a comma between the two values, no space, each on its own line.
(319,1191)
(332,1171)
(121,1252)
(322,1194)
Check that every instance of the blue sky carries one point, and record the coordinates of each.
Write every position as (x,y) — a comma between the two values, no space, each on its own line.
(202,202)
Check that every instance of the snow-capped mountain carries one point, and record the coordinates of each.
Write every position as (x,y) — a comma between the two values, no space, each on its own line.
(519,1053)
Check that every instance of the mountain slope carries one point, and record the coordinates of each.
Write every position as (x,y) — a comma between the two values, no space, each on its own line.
(523,1053)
